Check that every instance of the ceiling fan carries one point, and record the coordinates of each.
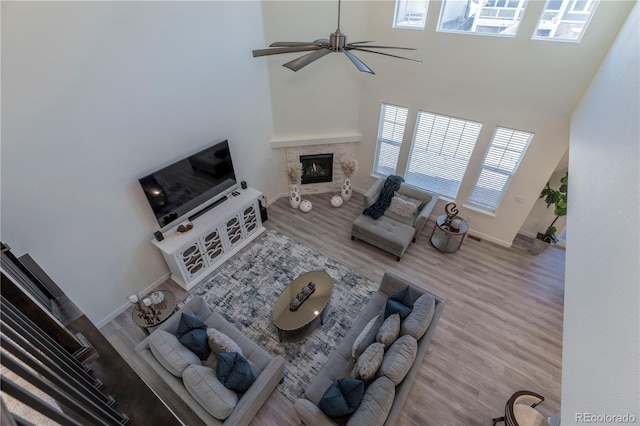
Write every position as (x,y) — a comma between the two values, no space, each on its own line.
(337,42)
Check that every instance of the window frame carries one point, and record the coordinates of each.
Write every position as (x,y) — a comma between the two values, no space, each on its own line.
(399,4)
(566,8)
(478,202)
(460,171)
(519,10)
(390,142)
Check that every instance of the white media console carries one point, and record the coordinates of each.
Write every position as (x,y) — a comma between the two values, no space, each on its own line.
(216,236)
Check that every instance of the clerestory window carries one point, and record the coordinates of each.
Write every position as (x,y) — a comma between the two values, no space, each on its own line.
(488,17)
(564,20)
(410,14)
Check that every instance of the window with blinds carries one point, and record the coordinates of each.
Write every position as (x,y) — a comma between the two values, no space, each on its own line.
(498,167)
(390,133)
(440,152)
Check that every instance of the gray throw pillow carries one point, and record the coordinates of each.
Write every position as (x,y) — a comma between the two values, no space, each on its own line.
(368,363)
(389,330)
(220,342)
(418,321)
(399,358)
(375,405)
(366,337)
(170,353)
(418,203)
(402,207)
(203,385)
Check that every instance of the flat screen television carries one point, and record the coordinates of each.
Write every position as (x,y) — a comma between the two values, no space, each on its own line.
(195,181)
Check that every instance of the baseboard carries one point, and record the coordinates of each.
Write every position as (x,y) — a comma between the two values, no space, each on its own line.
(126,305)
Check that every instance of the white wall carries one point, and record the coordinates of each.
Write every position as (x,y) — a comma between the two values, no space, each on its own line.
(601,348)
(518,83)
(96,95)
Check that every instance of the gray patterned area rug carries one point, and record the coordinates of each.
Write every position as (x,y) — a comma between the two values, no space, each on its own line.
(245,289)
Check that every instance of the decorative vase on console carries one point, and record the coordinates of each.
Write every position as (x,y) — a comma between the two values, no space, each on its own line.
(349,167)
(293,174)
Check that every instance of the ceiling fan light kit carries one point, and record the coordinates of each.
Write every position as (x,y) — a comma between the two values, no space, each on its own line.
(337,42)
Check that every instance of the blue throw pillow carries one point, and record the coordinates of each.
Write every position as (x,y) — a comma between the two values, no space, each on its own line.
(234,371)
(188,323)
(342,398)
(197,341)
(399,302)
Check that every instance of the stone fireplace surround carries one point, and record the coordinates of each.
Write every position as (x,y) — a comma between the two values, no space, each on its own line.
(341,148)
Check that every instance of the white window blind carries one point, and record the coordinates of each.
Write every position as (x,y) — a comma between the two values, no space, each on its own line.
(390,133)
(440,152)
(500,163)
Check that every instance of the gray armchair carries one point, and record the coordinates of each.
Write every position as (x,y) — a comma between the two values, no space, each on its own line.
(392,232)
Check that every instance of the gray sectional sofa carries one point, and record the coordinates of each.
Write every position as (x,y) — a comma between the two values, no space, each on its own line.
(383,400)
(172,367)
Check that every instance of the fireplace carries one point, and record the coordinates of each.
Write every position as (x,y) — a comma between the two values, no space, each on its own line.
(316,168)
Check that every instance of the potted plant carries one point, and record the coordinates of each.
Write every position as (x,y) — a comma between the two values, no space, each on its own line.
(557,198)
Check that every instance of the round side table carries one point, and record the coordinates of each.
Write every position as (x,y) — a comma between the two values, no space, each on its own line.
(446,239)
(149,317)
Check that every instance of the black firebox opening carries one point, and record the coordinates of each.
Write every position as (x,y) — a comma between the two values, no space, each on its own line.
(316,168)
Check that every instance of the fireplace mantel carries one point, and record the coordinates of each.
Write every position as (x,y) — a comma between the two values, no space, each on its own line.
(308,141)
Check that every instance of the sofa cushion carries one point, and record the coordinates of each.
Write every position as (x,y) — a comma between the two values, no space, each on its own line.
(389,330)
(366,337)
(196,340)
(201,382)
(170,353)
(234,371)
(220,342)
(399,302)
(188,323)
(342,397)
(369,362)
(417,322)
(399,358)
(376,404)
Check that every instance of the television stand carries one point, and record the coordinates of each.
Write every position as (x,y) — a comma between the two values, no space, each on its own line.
(219,232)
(209,207)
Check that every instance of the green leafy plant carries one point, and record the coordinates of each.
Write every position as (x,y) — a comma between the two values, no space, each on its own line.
(557,198)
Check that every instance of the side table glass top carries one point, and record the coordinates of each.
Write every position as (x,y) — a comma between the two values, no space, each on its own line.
(156,313)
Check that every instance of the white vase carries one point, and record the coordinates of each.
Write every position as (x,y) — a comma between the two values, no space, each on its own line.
(294,196)
(346,189)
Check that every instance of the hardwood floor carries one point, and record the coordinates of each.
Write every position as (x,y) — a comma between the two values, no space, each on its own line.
(501,329)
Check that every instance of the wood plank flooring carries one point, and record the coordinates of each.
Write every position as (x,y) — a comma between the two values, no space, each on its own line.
(501,329)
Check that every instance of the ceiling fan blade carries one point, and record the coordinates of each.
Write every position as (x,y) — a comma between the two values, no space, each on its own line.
(278,50)
(362,42)
(293,43)
(322,41)
(358,63)
(385,54)
(305,60)
(381,47)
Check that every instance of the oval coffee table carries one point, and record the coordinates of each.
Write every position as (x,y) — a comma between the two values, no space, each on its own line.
(300,322)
